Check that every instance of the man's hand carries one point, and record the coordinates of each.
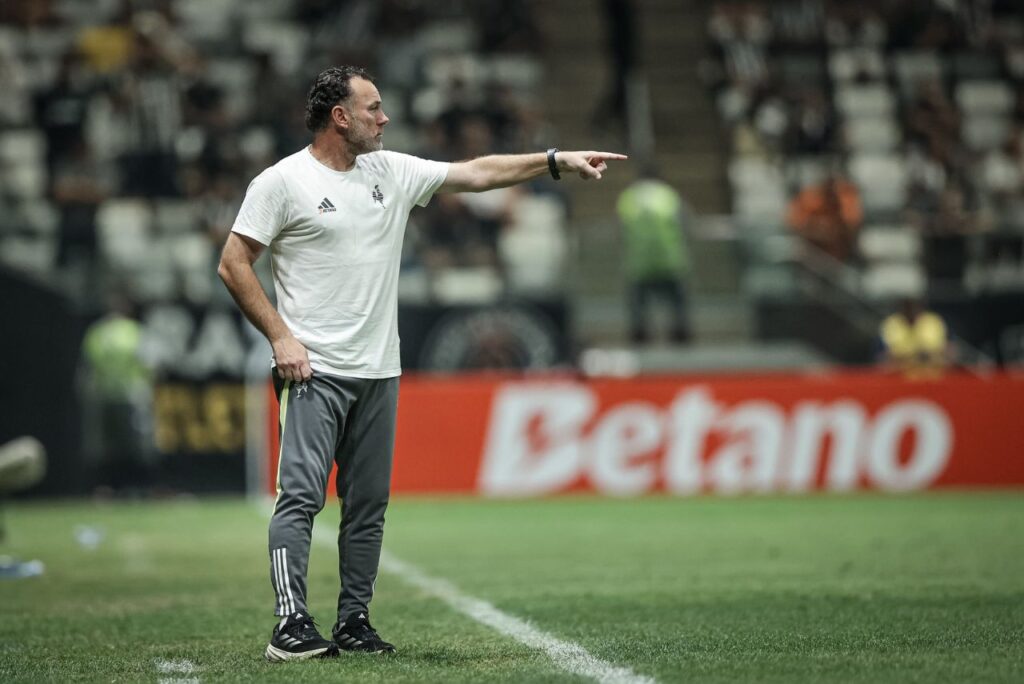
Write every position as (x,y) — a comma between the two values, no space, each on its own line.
(291,359)
(590,165)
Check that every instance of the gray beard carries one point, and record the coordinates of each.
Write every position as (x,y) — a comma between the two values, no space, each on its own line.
(364,146)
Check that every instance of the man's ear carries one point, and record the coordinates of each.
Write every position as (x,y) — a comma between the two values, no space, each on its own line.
(339,117)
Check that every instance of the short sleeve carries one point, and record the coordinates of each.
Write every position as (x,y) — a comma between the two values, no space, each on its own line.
(420,178)
(263,211)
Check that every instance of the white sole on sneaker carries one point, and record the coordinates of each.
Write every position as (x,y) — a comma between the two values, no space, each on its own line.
(277,655)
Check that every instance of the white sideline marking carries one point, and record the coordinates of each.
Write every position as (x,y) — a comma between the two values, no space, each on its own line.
(178,680)
(568,655)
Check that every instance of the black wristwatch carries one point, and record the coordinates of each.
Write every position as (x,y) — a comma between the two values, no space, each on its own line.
(552,166)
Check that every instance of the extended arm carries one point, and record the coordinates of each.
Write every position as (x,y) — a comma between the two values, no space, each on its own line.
(502,170)
(235,269)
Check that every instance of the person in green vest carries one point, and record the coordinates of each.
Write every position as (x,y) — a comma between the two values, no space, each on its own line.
(653,217)
(117,398)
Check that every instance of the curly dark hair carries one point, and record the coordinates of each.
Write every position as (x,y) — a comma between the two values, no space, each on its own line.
(330,88)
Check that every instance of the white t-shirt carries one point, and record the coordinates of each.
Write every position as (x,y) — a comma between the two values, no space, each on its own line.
(335,241)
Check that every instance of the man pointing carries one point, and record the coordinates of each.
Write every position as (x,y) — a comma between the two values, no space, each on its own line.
(334,216)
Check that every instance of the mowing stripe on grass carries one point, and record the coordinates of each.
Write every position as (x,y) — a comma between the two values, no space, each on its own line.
(567,655)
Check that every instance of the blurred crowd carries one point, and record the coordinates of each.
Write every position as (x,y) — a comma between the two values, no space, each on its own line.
(129,130)
(888,133)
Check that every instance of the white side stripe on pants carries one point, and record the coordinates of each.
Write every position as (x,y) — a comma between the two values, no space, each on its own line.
(284,584)
(277,583)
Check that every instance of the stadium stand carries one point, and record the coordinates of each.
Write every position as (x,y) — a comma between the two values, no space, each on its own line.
(128,133)
(918,102)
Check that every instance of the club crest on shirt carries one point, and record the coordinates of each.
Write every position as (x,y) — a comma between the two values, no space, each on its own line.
(378,196)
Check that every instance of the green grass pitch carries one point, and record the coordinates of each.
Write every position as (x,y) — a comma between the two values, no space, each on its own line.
(925,588)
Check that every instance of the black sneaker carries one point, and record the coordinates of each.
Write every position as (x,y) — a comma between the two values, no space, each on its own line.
(296,638)
(354,633)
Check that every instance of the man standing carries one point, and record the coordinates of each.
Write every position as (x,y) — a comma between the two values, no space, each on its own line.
(657,257)
(334,215)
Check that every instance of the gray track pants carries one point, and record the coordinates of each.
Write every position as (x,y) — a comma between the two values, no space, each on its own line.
(350,421)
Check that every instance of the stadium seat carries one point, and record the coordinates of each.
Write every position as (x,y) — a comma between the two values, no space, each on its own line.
(767,204)
(429,102)
(803,171)
(394,104)
(759,188)
(29,253)
(442,69)
(888,281)
(413,286)
(205,20)
(747,173)
(985,132)
(468,285)
(882,181)
(846,64)
(770,280)
(881,243)
(257,143)
(864,100)
(41,217)
(193,258)
(914,67)
(974,65)
(191,251)
(984,97)
(872,134)
(22,145)
(236,77)
(534,246)
(286,41)
(152,283)
(25,179)
(448,36)
(519,71)
(174,217)
(123,229)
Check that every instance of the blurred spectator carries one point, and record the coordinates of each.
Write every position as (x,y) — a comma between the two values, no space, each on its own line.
(162,120)
(107,47)
(946,231)
(933,121)
(117,387)
(828,215)
(657,256)
(854,24)
(741,33)
(506,25)
(60,110)
(812,126)
(80,185)
(453,236)
(915,341)
(621,40)
(149,96)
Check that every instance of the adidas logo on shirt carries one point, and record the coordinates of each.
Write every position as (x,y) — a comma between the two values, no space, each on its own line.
(326,206)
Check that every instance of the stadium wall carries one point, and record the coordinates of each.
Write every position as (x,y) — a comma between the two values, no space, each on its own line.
(726,434)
